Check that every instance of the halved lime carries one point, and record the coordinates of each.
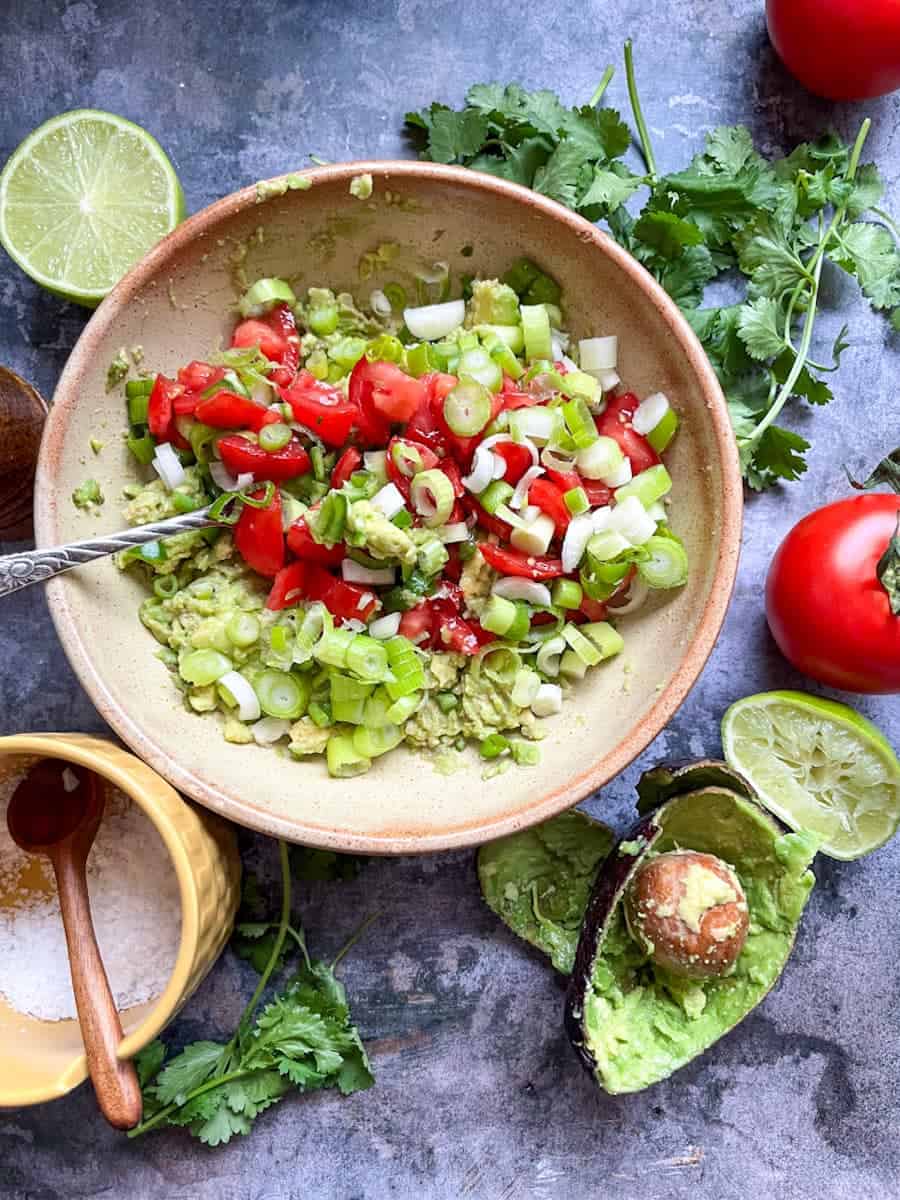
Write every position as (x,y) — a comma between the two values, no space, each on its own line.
(817,765)
(82,199)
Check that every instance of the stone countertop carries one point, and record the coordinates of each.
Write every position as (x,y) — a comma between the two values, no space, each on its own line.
(478,1094)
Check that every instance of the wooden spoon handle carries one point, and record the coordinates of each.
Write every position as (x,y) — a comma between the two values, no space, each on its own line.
(115,1081)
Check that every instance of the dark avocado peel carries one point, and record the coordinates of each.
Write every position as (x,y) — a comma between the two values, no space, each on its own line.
(631,1022)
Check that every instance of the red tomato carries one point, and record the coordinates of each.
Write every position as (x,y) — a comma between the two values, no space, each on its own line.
(258,333)
(427,455)
(566,480)
(827,608)
(228,410)
(416,624)
(349,462)
(384,393)
(276,336)
(451,470)
(160,407)
(184,405)
(197,376)
(280,319)
(549,499)
(594,610)
(615,422)
(320,407)
(302,543)
(455,634)
(259,538)
(287,590)
(516,457)
(598,493)
(842,49)
(240,455)
(485,520)
(525,566)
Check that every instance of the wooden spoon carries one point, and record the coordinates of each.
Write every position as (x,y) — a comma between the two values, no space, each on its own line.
(22,415)
(44,818)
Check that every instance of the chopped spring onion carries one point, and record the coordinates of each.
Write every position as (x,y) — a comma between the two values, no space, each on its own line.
(536,536)
(650,412)
(520,494)
(239,690)
(143,448)
(499,466)
(548,656)
(548,700)
(571,666)
(621,475)
(576,501)
(265,293)
(494,745)
(323,319)
(667,566)
(367,658)
(396,294)
(525,687)
(601,459)
(431,322)
(607,640)
(598,354)
(401,710)
(320,714)
(406,458)
(373,742)
(504,358)
(467,407)
(332,647)
(273,438)
(343,759)
(352,572)
(495,496)
(138,406)
(637,594)
(649,486)
(604,547)
(328,522)
(577,536)
(583,647)
(631,519)
(406,668)
(510,335)
(431,555)
(537,423)
(579,423)
(608,380)
(389,501)
(379,303)
(243,630)
(282,695)
(203,667)
(557,460)
(349,698)
(525,754)
(477,364)
(499,615)
(167,465)
(529,590)
(536,330)
(385,627)
(567,593)
(432,494)
(483,464)
(660,437)
(375,461)
(446,701)
(457,532)
(269,730)
(501,665)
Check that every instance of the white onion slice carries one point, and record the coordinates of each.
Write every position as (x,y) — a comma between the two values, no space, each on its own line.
(167,465)
(379,303)
(520,492)
(389,501)
(608,380)
(224,479)
(620,476)
(375,461)
(354,572)
(243,693)
(363,602)
(632,520)
(557,460)
(511,588)
(483,464)
(548,700)
(649,413)
(354,626)
(457,532)
(434,321)
(601,519)
(579,533)
(267,731)
(500,465)
(598,354)
(385,627)
(637,594)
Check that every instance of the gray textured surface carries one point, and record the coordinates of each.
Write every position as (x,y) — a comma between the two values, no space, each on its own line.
(478,1094)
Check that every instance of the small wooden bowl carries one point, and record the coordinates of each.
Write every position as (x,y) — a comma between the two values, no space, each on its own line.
(22,414)
(179,302)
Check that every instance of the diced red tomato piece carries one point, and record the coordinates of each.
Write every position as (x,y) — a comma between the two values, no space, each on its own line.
(565,480)
(259,538)
(197,376)
(347,601)
(525,566)
(427,455)
(288,588)
(451,470)
(160,410)
(228,410)
(594,610)
(453,565)
(302,543)
(416,624)
(241,455)
(549,499)
(516,457)
(259,333)
(384,392)
(349,462)
(321,407)
(598,494)
(455,634)
(276,336)
(615,422)
(281,320)
(184,405)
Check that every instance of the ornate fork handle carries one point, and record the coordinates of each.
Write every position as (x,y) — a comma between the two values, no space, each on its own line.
(34,566)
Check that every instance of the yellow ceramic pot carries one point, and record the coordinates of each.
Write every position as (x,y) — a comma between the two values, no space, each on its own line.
(40,1060)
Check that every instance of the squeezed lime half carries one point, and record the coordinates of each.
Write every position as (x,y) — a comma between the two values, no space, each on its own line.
(83,198)
(817,765)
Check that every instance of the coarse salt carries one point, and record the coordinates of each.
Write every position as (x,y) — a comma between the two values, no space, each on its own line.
(135,906)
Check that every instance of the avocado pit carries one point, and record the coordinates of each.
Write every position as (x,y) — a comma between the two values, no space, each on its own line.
(688,911)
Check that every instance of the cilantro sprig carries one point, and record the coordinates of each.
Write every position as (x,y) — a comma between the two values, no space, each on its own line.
(771,226)
(303,1038)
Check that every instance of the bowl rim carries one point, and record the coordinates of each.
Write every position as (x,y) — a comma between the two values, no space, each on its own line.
(570,791)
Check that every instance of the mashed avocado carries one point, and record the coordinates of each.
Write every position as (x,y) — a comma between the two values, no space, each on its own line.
(492,303)
(380,537)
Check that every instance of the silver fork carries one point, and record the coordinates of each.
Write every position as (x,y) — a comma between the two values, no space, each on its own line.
(35,566)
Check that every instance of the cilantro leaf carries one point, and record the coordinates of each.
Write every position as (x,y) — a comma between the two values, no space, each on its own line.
(759,326)
(149,1060)
(870,253)
(454,136)
(866,191)
(187,1070)
(597,133)
(311,864)
(778,454)
(685,278)
(520,164)
(806,386)
(610,186)
(488,97)
(558,177)
(666,233)
(730,147)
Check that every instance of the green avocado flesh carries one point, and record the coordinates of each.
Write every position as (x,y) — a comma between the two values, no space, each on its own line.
(538,881)
(641,1024)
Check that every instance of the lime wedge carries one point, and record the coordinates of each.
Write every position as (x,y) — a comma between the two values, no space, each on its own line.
(82,199)
(817,765)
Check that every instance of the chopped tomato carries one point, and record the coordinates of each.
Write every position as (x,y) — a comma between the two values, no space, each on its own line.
(321,407)
(565,480)
(184,405)
(228,410)
(455,634)
(281,320)
(197,376)
(525,566)
(239,455)
(451,470)
(426,454)
(349,462)
(258,333)
(453,565)
(485,520)
(516,457)
(348,601)
(287,590)
(160,409)
(594,610)
(598,494)
(276,336)
(416,623)
(385,393)
(549,499)
(259,538)
(615,422)
(302,543)
(514,397)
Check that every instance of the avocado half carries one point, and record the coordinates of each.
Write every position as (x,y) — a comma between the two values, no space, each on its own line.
(538,881)
(630,1022)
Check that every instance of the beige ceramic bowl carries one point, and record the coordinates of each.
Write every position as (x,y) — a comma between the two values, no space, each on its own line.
(179,301)
(41,1060)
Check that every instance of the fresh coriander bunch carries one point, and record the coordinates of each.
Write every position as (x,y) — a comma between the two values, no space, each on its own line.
(769,225)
